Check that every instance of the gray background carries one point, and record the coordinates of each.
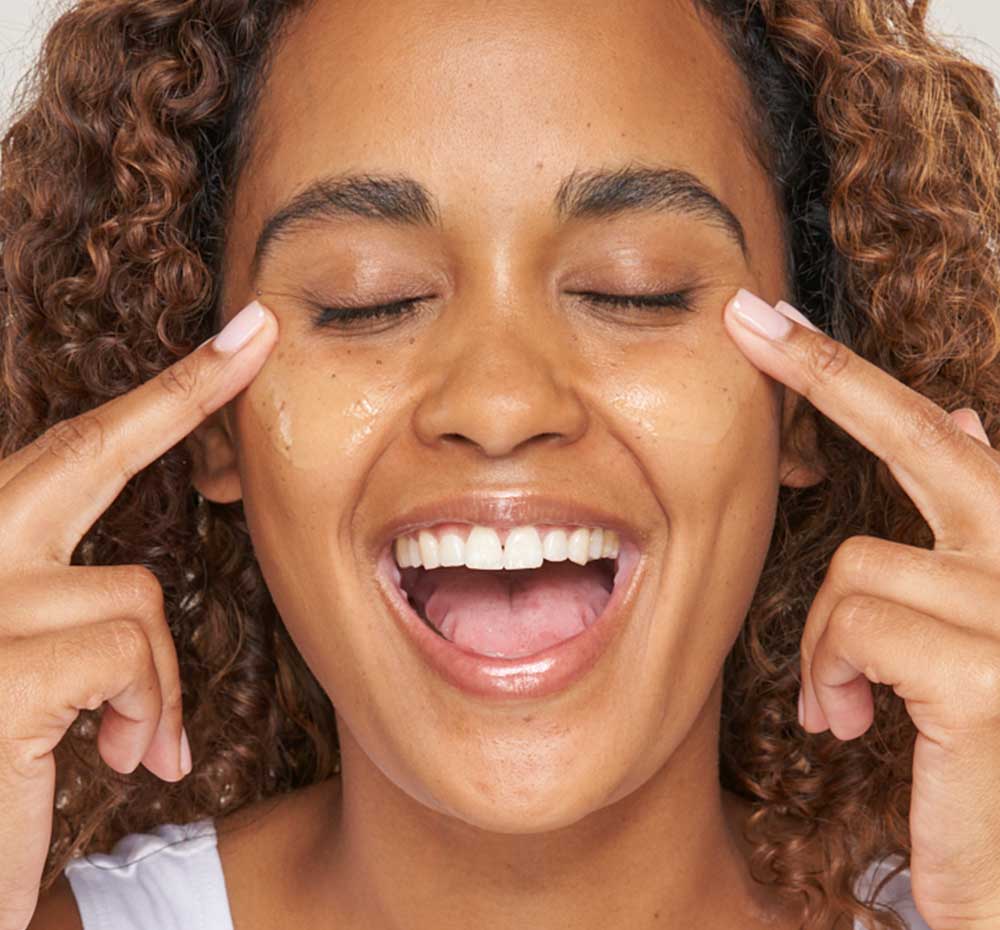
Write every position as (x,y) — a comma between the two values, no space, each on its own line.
(972,24)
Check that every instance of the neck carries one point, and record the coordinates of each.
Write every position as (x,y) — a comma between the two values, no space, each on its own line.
(668,853)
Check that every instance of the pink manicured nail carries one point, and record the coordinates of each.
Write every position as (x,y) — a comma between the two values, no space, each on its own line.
(759,316)
(185,752)
(239,330)
(975,427)
(788,310)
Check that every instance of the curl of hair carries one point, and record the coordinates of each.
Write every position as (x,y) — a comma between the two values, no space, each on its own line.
(117,175)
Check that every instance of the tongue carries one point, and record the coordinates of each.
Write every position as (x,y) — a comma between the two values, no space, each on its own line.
(513,613)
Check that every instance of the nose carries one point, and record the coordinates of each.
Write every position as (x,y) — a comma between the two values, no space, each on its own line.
(505,383)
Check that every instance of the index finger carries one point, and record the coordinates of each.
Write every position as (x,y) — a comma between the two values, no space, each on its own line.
(80,465)
(942,469)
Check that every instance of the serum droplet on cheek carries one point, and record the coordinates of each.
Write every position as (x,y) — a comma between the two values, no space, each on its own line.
(284,427)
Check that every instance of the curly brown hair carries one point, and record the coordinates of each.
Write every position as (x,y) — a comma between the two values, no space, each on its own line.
(117,176)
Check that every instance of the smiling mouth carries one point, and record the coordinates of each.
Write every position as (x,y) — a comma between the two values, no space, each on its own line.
(510,613)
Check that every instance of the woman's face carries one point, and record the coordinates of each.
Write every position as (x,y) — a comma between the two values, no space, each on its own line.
(505,381)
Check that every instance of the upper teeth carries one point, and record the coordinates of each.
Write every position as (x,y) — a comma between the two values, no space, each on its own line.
(481,547)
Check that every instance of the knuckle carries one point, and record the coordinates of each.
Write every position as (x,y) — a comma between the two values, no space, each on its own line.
(128,641)
(182,379)
(927,425)
(136,584)
(78,439)
(826,359)
(853,614)
(853,559)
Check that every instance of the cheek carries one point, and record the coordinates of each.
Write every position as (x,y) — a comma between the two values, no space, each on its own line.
(317,424)
(308,435)
(679,399)
(703,425)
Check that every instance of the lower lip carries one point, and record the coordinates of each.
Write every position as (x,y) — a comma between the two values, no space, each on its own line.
(535,676)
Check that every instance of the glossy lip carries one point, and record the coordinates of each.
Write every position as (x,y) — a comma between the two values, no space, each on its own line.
(505,511)
(528,677)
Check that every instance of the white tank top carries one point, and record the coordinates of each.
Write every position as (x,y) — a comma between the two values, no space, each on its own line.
(171,879)
(168,879)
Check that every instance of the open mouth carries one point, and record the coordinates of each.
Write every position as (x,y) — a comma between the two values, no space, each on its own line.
(510,613)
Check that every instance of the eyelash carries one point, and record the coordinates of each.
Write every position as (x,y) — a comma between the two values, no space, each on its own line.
(352,316)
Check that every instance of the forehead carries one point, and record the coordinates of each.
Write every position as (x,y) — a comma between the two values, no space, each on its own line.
(490,103)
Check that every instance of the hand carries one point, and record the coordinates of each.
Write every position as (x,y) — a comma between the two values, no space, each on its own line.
(73,637)
(925,622)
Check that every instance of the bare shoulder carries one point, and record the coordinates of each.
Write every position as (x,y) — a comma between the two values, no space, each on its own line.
(57,908)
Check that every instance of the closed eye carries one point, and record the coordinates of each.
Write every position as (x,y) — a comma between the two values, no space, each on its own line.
(352,316)
(679,300)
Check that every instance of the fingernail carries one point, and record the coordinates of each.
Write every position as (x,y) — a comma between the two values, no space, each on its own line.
(759,316)
(788,310)
(240,328)
(185,752)
(975,427)
(802,710)
(973,414)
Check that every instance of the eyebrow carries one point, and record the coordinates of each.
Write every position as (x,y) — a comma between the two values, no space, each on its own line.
(404,201)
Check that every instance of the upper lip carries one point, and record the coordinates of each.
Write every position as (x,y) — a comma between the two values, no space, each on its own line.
(503,511)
